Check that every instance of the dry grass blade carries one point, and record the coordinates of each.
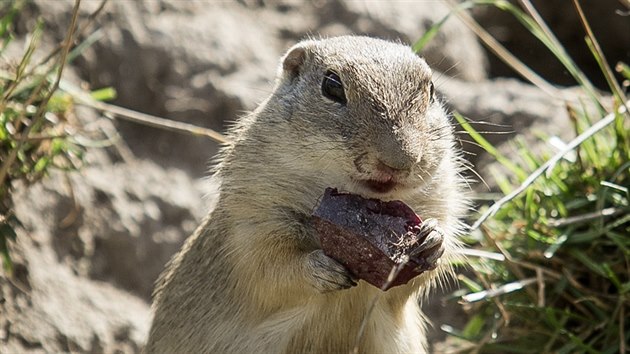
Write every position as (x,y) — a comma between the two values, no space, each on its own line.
(503,289)
(21,68)
(390,278)
(622,343)
(562,55)
(80,32)
(601,58)
(146,119)
(585,217)
(504,54)
(158,122)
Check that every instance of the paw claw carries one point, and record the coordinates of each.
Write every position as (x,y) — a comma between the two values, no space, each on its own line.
(430,246)
(329,275)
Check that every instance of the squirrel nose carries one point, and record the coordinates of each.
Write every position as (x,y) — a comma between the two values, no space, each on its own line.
(394,159)
(387,169)
(394,156)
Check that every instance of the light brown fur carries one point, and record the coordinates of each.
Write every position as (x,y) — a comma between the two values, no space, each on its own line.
(247,281)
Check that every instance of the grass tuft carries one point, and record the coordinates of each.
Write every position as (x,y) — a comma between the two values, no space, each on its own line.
(558,280)
(37,123)
(38,129)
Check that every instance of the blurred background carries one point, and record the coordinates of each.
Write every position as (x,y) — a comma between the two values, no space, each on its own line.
(96,229)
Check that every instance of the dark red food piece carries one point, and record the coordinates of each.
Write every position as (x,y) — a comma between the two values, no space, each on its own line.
(367,236)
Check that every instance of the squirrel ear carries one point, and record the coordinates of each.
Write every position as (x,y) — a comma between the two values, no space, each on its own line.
(293,60)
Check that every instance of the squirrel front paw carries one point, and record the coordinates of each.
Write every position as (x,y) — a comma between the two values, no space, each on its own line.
(326,274)
(429,247)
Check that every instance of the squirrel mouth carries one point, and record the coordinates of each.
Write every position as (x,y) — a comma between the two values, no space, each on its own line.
(379,186)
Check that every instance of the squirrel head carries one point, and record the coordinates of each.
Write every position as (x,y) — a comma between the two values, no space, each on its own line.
(362,112)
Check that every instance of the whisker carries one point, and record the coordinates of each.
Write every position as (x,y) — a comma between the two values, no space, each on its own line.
(482,122)
(507,132)
(464,179)
(445,73)
(421,178)
(470,168)
(470,142)
(470,153)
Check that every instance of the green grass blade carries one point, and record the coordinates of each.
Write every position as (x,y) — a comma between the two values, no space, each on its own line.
(419,45)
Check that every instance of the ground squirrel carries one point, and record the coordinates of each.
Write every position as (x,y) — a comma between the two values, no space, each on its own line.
(355,113)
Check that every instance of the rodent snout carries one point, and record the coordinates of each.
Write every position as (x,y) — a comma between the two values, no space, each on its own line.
(385,169)
(395,165)
(393,153)
(377,167)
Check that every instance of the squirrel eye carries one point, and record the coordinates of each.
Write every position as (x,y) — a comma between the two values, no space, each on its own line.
(431,92)
(332,88)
